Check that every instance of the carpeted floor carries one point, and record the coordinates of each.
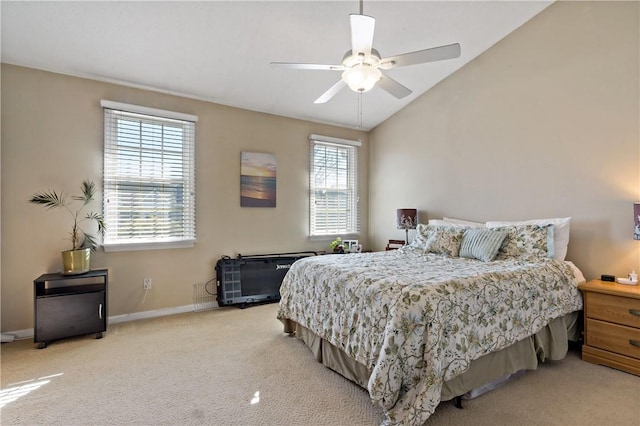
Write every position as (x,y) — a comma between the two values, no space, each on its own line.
(236,367)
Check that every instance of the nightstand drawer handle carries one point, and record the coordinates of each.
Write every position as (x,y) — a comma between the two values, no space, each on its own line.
(634,342)
(635,312)
(100,311)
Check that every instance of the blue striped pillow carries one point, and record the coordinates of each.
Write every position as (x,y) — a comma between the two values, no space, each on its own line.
(481,244)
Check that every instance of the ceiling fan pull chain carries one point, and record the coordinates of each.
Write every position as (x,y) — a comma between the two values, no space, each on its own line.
(360,110)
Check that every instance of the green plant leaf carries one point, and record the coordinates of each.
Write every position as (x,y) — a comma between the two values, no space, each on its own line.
(49,199)
(88,189)
(89,242)
(102,226)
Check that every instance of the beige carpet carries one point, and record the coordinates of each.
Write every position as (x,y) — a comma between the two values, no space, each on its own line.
(236,367)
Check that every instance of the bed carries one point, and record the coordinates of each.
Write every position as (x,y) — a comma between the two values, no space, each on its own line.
(456,310)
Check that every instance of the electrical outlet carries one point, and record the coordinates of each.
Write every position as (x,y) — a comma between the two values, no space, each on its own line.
(146,284)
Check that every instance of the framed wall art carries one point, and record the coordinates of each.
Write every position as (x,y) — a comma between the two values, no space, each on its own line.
(257,179)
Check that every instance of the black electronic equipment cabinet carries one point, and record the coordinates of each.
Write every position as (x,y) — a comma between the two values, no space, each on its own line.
(253,279)
(69,305)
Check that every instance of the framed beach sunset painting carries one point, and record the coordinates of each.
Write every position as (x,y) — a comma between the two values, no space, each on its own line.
(257,179)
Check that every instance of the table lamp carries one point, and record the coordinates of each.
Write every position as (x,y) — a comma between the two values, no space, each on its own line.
(407,219)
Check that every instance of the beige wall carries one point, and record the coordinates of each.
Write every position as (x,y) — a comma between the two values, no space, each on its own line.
(544,124)
(52,138)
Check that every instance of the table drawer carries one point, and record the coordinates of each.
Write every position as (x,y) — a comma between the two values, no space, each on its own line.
(613,337)
(620,310)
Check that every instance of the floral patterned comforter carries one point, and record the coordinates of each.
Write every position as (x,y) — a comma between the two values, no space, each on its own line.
(417,320)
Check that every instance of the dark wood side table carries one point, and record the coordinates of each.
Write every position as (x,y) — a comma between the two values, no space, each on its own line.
(69,305)
(612,325)
(394,244)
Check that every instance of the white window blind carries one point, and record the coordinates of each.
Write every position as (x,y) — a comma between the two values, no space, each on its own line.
(333,187)
(149,178)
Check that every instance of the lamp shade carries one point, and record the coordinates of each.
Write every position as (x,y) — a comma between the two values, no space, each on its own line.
(636,221)
(407,218)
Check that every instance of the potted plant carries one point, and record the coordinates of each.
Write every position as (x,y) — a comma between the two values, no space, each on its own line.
(77,259)
(336,246)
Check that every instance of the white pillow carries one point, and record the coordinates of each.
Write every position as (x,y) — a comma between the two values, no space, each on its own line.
(440,222)
(447,221)
(560,232)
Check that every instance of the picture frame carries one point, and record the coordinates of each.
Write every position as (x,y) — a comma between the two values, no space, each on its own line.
(258,179)
(350,246)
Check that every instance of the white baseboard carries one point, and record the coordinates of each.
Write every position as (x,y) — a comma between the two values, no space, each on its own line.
(7,338)
(150,314)
(28,332)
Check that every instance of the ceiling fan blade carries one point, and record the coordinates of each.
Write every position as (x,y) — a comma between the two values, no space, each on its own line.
(449,51)
(362,27)
(331,92)
(393,87)
(295,66)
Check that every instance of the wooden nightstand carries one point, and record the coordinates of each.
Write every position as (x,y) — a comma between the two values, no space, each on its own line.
(612,325)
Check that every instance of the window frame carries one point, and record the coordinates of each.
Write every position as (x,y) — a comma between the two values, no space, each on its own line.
(180,188)
(352,187)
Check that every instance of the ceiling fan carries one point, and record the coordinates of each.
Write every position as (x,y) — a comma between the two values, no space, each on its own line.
(363,66)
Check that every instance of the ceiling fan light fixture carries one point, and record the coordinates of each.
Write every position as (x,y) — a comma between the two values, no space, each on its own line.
(362,65)
(362,77)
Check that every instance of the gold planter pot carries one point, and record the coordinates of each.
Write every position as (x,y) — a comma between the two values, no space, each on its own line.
(76,261)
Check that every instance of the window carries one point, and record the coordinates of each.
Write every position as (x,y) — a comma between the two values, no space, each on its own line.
(333,197)
(149,178)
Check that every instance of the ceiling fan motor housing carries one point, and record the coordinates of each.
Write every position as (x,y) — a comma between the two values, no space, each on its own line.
(361,73)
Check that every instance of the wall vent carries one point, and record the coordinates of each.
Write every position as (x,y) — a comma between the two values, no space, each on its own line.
(204,297)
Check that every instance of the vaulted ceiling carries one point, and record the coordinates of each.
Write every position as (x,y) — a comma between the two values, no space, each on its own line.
(220,51)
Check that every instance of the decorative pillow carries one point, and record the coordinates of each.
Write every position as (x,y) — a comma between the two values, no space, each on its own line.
(481,244)
(444,240)
(420,240)
(526,241)
(560,232)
